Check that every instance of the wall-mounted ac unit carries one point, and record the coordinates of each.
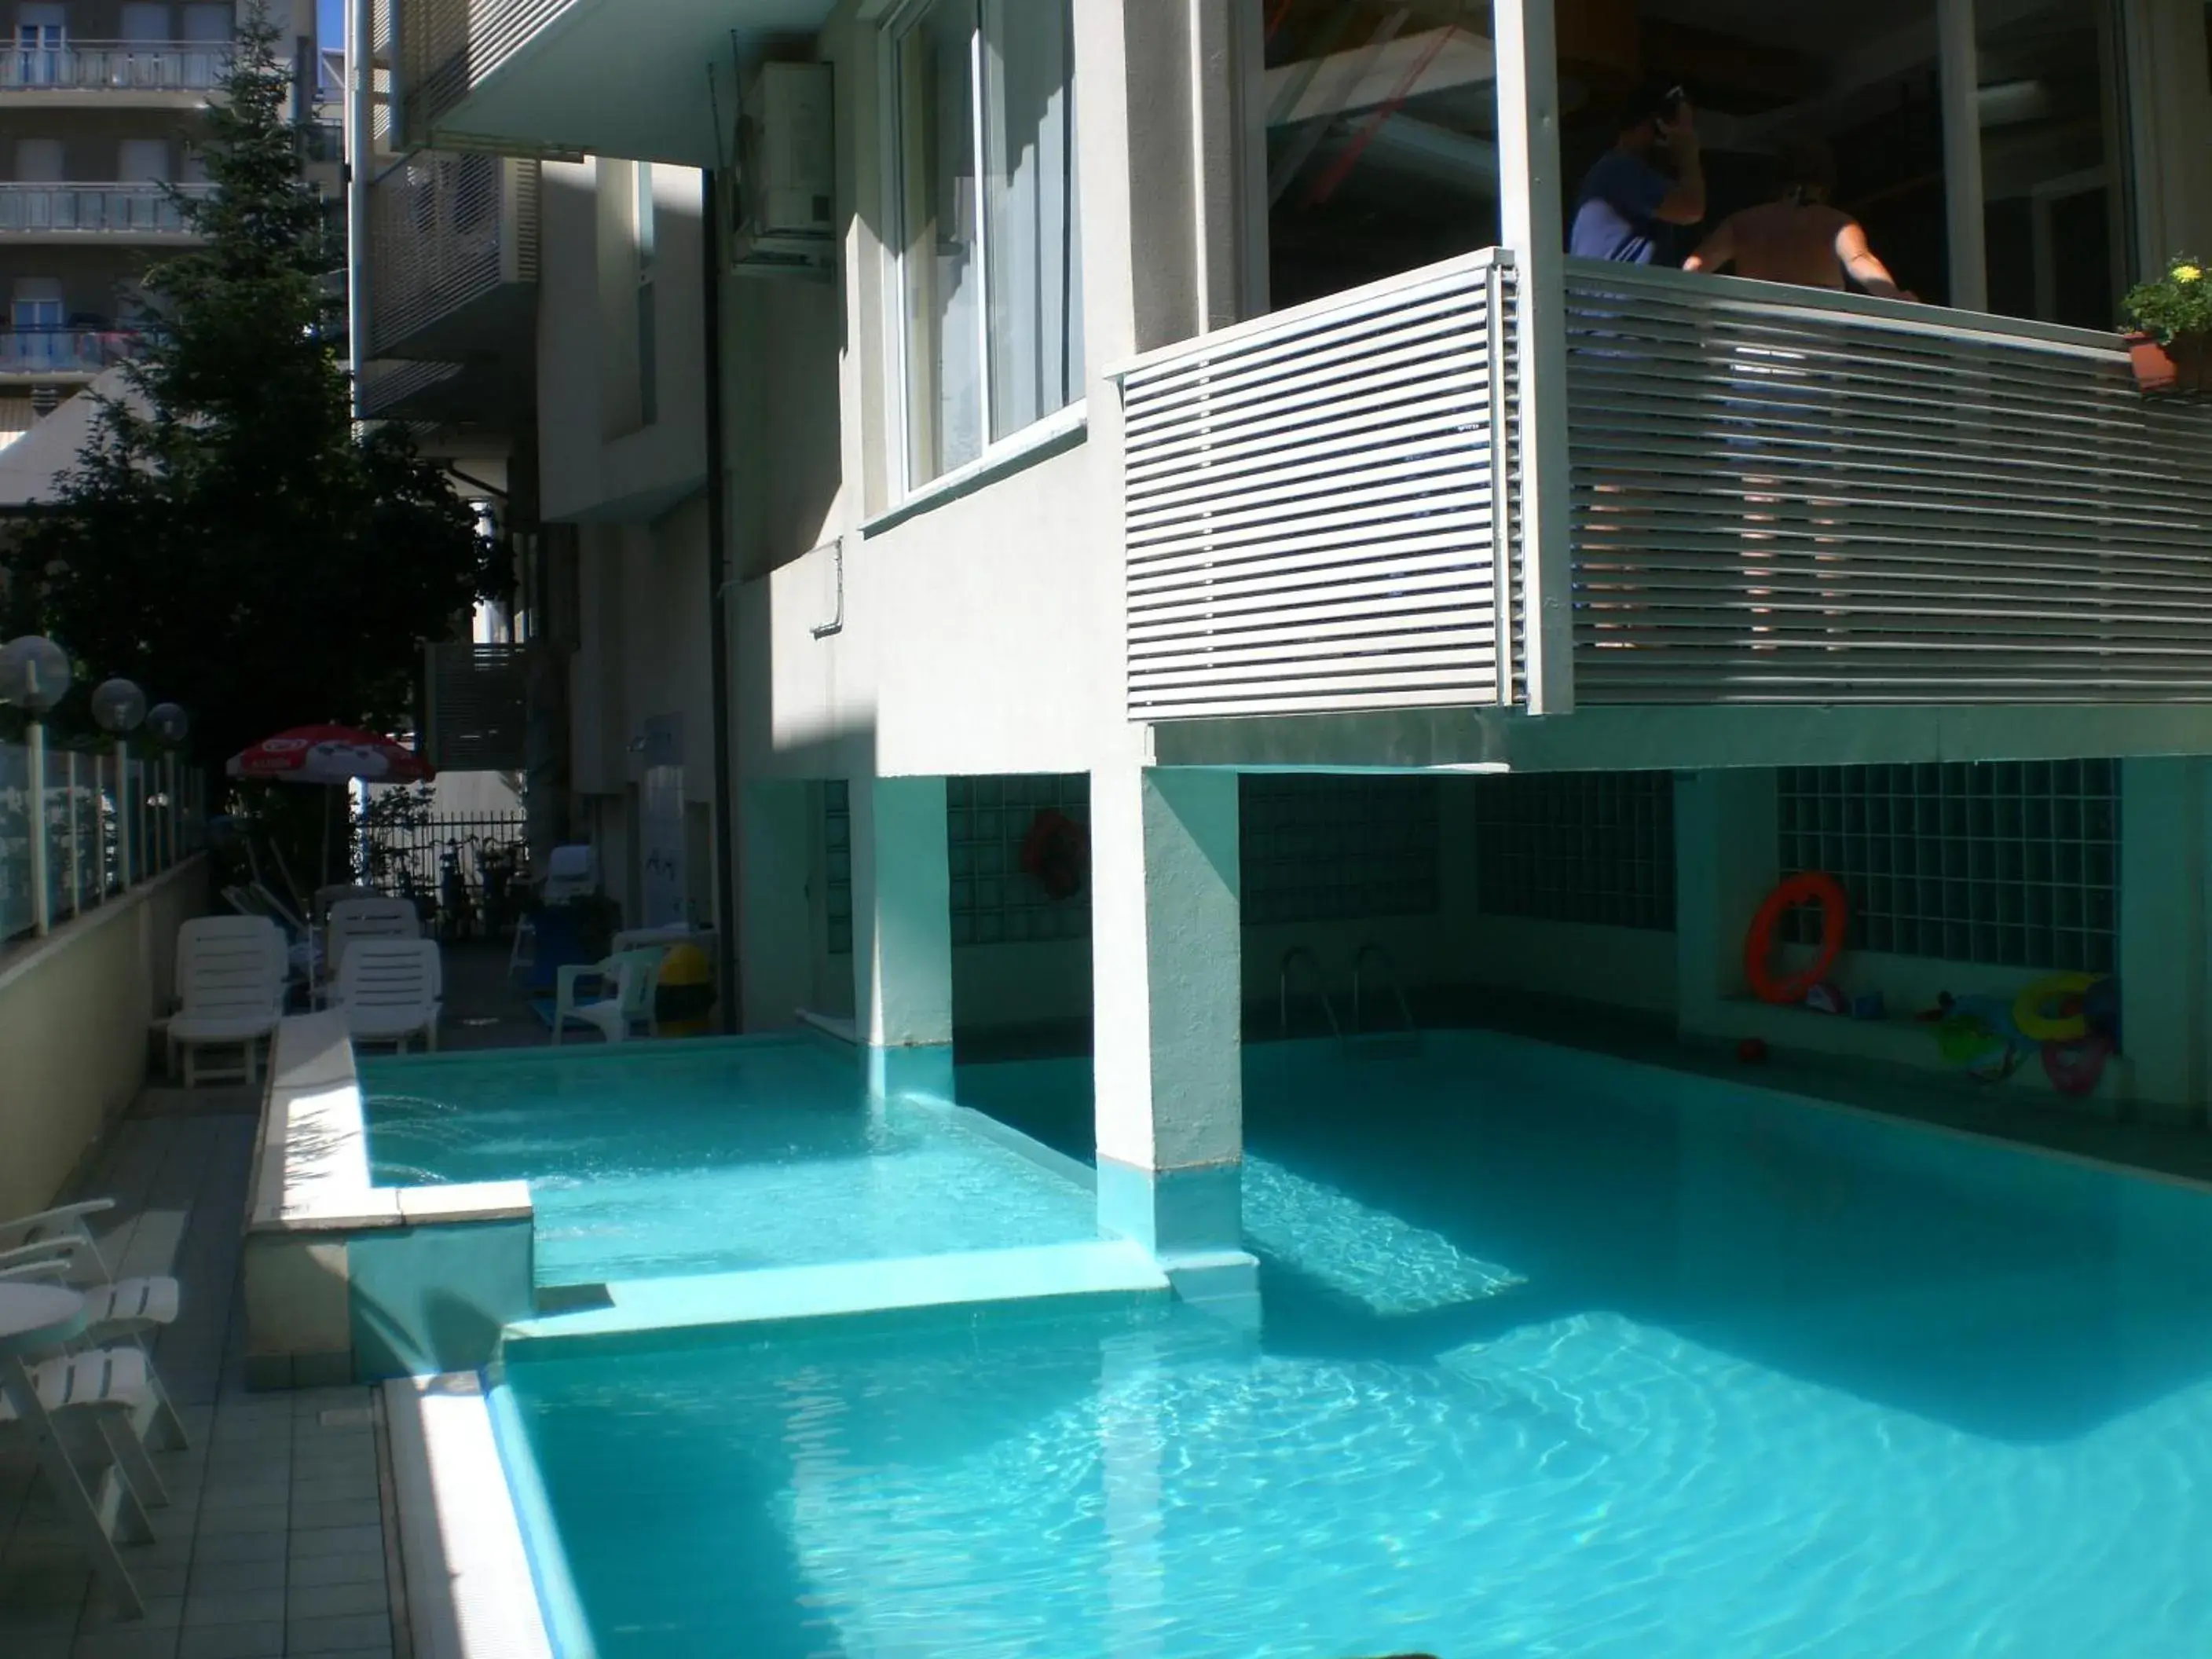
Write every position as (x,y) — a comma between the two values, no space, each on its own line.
(784,206)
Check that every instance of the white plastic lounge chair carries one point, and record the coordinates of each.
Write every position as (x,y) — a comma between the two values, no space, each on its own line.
(388,989)
(59,1245)
(634,978)
(112,1387)
(571,872)
(355,919)
(230,990)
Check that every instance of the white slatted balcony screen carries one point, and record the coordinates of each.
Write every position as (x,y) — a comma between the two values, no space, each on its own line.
(448,47)
(1314,501)
(1786,496)
(445,230)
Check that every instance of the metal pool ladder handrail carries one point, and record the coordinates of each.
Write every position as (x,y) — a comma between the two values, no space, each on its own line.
(1321,990)
(1389,976)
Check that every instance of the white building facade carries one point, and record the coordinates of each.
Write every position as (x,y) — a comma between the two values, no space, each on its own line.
(1177,418)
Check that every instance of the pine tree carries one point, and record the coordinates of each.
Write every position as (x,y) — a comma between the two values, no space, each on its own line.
(226,539)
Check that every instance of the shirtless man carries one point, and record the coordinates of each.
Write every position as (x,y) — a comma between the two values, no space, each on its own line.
(1799,237)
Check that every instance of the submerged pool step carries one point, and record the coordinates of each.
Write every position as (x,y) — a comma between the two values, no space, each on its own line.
(648,1308)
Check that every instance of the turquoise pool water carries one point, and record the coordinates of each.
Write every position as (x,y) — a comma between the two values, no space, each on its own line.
(1560,1356)
(710,1157)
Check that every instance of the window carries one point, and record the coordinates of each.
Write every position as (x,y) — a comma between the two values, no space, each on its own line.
(1588,847)
(2012,864)
(645,227)
(989,260)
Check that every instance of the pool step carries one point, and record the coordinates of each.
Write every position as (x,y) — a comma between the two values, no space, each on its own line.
(658,1307)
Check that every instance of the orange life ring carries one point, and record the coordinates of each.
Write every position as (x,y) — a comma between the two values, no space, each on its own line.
(1812,887)
(1056,852)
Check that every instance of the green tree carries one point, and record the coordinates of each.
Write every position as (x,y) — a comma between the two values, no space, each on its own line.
(228,539)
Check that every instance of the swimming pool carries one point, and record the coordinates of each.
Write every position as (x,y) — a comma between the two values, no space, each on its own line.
(651,1160)
(1560,1356)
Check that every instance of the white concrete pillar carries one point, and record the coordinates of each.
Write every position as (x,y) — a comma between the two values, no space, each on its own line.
(1166,966)
(2162,931)
(1726,859)
(903,933)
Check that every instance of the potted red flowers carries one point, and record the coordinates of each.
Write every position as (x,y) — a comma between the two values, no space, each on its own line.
(2172,344)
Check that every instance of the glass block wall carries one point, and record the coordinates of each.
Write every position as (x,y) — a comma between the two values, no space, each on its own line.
(995,901)
(1586,846)
(2011,863)
(1320,848)
(837,844)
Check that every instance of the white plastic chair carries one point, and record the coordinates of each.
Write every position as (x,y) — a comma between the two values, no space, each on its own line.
(635,976)
(388,990)
(355,919)
(109,1387)
(230,991)
(571,872)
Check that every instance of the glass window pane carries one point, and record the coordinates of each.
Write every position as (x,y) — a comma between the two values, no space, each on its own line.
(2051,202)
(1031,217)
(941,274)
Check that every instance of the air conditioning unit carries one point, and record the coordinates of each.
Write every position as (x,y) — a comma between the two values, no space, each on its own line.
(784,207)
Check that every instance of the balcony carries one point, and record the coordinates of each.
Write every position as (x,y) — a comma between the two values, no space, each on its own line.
(1777,497)
(108,71)
(47,357)
(114,212)
(545,76)
(453,257)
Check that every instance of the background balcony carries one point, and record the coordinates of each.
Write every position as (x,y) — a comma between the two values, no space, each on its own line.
(63,353)
(116,66)
(66,212)
(1777,496)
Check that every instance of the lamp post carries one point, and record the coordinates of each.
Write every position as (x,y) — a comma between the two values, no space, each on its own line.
(34,676)
(168,724)
(119,707)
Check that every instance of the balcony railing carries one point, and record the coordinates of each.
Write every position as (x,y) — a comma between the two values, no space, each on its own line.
(65,350)
(447,231)
(1782,496)
(449,46)
(1776,495)
(1319,512)
(97,208)
(116,66)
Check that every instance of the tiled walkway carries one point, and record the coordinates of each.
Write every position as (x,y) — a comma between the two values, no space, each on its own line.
(274,1542)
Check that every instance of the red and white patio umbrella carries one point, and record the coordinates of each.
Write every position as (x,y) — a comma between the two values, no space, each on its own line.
(330,756)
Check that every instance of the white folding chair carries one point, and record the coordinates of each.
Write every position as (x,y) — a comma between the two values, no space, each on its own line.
(388,990)
(230,991)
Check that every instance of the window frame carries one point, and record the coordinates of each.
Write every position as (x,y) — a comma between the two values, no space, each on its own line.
(992,455)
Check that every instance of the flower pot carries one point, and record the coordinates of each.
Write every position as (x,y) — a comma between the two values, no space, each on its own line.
(2155,370)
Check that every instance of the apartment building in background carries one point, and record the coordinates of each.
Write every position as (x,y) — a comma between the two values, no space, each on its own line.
(944,419)
(100,109)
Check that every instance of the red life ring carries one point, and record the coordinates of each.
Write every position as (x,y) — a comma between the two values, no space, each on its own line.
(1812,887)
(2076,1068)
(1056,852)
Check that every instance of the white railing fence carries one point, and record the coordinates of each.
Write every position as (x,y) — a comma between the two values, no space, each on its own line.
(116,66)
(104,825)
(448,46)
(96,208)
(1787,496)
(445,230)
(1319,505)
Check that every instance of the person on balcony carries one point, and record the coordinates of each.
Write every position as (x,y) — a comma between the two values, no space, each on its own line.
(1798,237)
(1629,207)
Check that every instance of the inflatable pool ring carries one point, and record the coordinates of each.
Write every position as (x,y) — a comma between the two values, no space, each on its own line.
(2076,1068)
(2031,1010)
(686,992)
(1812,887)
(1976,1047)
(1057,853)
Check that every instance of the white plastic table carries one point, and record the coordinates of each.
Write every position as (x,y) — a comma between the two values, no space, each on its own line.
(35,1318)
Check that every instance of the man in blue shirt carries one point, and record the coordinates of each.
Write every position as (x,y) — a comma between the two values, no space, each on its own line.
(1627,203)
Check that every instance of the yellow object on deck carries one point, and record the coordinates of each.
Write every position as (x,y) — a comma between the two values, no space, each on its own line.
(687,993)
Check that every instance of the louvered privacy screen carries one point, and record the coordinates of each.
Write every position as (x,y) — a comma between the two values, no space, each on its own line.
(1782,497)
(447,230)
(1311,504)
(449,46)
(475,714)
